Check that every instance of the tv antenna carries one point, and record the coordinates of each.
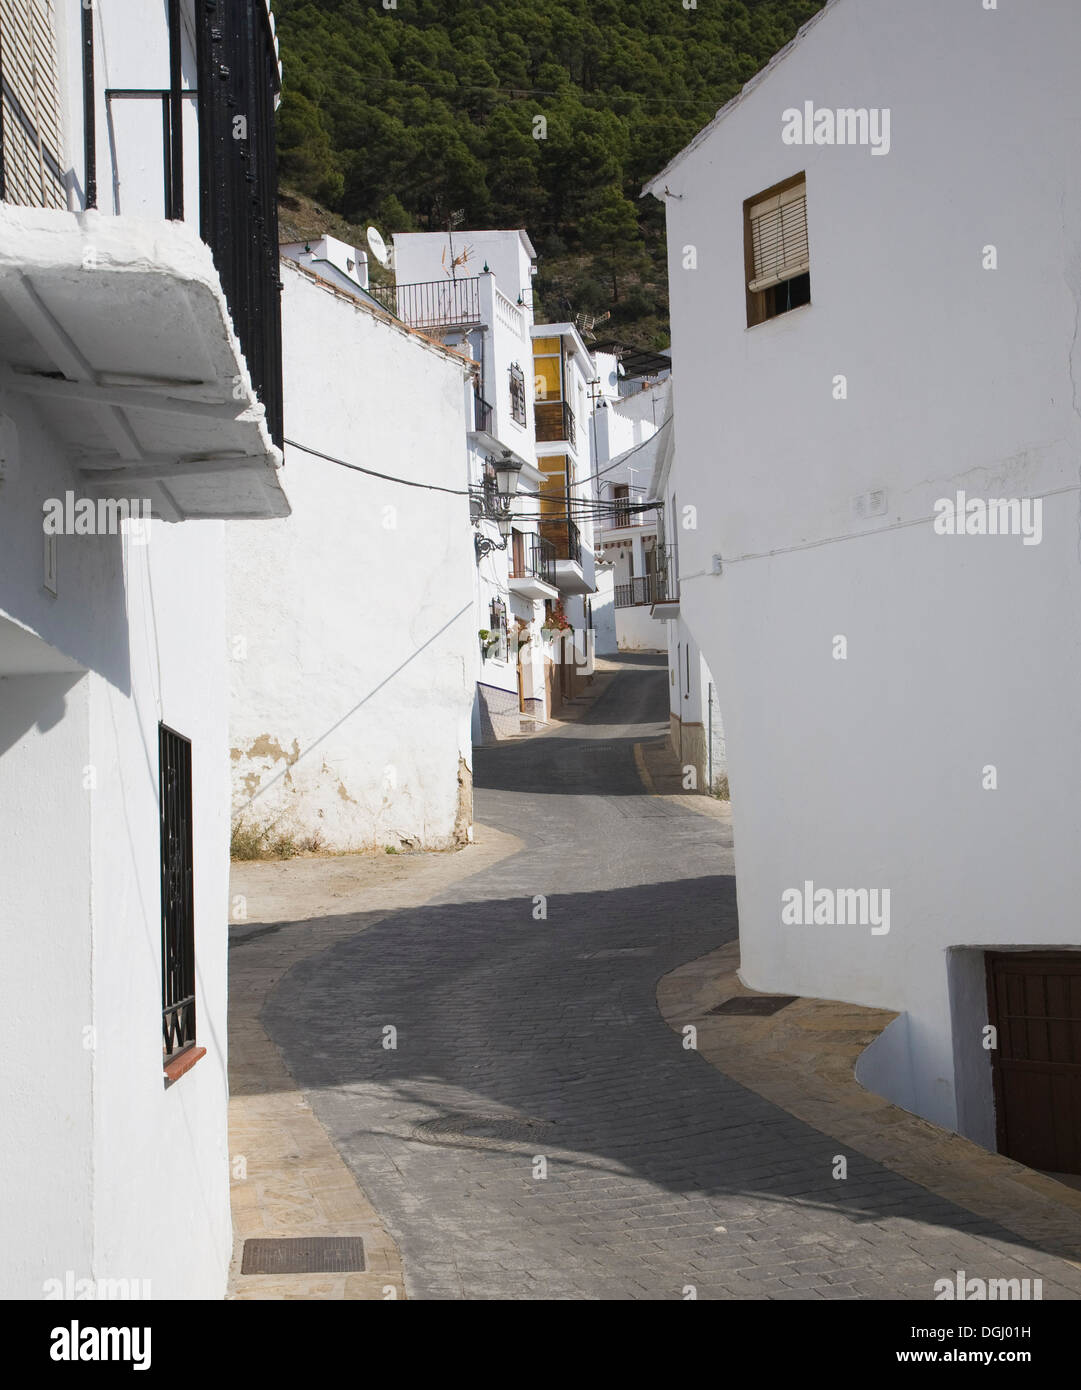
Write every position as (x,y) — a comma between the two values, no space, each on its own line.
(586,323)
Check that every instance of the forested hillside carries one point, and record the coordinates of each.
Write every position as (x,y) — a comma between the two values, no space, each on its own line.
(404,116)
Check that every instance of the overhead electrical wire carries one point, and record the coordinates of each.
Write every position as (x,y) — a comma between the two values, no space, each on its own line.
(595,507)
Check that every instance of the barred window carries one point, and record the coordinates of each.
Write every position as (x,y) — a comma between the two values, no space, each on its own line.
(517,394)
(498,627)
(177,896)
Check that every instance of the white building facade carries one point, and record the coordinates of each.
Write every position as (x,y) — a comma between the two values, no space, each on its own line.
(874,306)
(695,726)
(354,651)
(632,420)
(139,411)
(472,290)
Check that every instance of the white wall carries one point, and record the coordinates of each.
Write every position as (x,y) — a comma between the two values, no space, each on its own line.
(867,772)
(95,1138)
(131,51)
(352,622)
(46,1199)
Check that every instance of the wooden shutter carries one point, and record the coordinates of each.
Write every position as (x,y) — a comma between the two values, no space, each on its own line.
(779,238)
(30,146)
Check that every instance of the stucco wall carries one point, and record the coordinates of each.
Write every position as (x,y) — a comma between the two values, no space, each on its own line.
(867,772)
(352,628)
(112,1176)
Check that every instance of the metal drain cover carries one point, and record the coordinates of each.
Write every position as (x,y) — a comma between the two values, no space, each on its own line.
(759,1004)
(304,1255)
(469,1129)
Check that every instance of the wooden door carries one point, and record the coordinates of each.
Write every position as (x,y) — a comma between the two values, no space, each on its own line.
(1034,1001)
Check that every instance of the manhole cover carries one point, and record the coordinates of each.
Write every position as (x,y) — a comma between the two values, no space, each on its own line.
(304,1255)
(471,1130)
(754,1004)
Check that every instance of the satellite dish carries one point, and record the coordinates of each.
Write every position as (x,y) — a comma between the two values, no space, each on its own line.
(378,247)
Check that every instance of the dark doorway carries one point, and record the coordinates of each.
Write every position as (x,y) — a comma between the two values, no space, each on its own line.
(1034,1002)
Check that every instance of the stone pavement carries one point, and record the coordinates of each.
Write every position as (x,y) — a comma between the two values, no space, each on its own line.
(539,1130)
(288,1179)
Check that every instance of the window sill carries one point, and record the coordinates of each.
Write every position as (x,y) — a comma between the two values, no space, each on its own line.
(183,1062)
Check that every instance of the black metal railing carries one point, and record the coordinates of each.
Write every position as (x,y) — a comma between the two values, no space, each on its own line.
(172,161)
(432,303)
(565,538)
(555,423)
(538,562)
(177,897)
(237,85)
(647,588)
(482,413)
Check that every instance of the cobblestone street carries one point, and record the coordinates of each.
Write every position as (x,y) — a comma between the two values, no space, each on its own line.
(539,1130)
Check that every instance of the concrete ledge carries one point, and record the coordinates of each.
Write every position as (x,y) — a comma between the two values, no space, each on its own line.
(803,1059)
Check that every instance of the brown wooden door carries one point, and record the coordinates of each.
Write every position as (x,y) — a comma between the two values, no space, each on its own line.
(1034,1002)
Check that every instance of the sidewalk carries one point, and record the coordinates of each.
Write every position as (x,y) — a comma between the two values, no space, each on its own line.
(803,1059)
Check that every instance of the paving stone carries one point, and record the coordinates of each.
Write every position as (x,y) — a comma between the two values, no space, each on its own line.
(554,1024)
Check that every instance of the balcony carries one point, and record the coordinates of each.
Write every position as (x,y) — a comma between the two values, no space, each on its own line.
(119,329)
(433,304)
(555,423)
(534,574)
(569,569)
(646,589)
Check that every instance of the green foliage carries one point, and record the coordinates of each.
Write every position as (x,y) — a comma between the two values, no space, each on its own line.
(401,116)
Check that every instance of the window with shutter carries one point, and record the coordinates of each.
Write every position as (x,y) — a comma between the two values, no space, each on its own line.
(779,238)
(777,251)
(31,173)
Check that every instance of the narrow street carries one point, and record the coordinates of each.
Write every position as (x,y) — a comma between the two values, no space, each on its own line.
(527,1028)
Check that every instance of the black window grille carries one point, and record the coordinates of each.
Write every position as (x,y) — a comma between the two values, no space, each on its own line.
(238,82)
(498,627)
(177,900)
(517,394)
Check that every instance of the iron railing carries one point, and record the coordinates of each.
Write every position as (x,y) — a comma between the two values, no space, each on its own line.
(237,82)
(555,423)
(482,413)
(538,562)
(177,898)
(647,588)
(566,539)
(432,303)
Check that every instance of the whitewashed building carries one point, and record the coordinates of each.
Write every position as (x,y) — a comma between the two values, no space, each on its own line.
(140,409)
(695,726)
(354,648)
(875,288)
(565,391)
(632,422)
(472,290)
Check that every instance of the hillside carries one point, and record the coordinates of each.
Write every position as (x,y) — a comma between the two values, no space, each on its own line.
(404,116)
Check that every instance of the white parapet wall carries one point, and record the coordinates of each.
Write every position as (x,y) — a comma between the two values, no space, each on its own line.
(352,627)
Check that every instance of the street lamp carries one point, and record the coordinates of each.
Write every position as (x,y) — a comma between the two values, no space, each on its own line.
(507,473)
